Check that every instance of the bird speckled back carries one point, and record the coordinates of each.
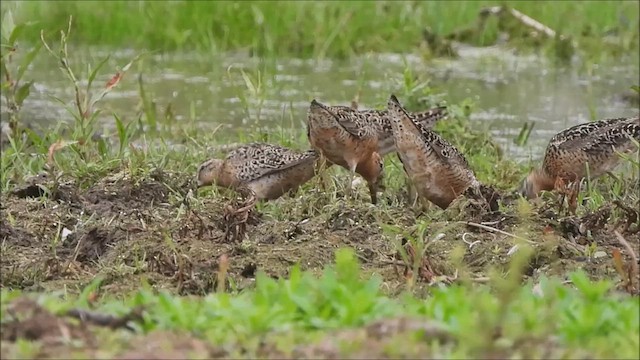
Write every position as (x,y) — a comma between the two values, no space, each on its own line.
(426,119)
(267,170)
(435,143)
(259,159)
(346,138)
(380,121)
(595,143)
(352,121)
(439,171)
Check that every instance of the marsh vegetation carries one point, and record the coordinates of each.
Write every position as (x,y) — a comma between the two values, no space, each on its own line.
(106,117)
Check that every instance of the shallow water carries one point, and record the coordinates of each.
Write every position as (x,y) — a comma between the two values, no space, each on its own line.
(507,90)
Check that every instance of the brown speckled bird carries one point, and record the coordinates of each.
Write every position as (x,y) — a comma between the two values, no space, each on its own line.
(436,168)
(268,170)
(344,137)
(382,122)
(569,151)
(377,119)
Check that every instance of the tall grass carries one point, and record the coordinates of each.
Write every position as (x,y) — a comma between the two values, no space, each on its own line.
(301,28)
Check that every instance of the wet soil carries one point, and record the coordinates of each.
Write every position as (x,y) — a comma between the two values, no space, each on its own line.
(126,229)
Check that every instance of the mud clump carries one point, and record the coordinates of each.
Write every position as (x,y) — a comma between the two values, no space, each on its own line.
(169,345)
(378,340)
(577,228)
(29,321)
(26,320)
(14,236)
(124,196)
(89,245)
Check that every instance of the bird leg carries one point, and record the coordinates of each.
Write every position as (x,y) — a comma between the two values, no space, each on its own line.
(373,190)
(417,202)
(412,192)
(572,201)
(235,217)
(560,186)
(321,168)
(352,173)
(568,191)
(421,205)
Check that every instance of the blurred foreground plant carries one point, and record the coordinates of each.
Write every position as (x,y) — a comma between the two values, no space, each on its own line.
(501,319)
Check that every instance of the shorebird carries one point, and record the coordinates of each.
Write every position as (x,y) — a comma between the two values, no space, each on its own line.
(588,149)
(268,170)
(439,172)
(356,129)
(344,137)
(257,171)
(382,122)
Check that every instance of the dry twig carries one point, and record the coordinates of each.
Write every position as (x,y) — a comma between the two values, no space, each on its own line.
(107,320)
(489,228)
(630,276)
(522,18)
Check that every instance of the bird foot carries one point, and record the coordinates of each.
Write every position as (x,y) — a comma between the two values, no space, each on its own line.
(568,191)
(235,217)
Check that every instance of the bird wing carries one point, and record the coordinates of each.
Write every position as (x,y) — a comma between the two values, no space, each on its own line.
(263,159)
(429,117)
(352,121)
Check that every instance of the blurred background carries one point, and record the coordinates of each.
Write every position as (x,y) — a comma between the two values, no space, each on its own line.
(252,67)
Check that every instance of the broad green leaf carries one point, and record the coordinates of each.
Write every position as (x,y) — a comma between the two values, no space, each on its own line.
(93,73)
(121,130)
(33,137)
(28,59)
(636,88)
(7,25)
(3,66)
(16,33)
(23,92)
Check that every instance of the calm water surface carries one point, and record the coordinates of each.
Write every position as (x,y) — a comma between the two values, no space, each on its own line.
(236,93)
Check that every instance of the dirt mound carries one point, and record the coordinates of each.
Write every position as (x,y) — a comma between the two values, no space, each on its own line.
(13,236)
(29,321)
(160,345)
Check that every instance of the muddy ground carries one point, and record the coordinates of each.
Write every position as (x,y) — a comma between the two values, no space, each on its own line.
(126,230)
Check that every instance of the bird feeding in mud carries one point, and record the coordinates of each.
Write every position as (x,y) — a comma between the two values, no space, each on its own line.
(590,149)
(363,125)
(439,172)
(358,139)
(343,137)
(268,170)
(258,171)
